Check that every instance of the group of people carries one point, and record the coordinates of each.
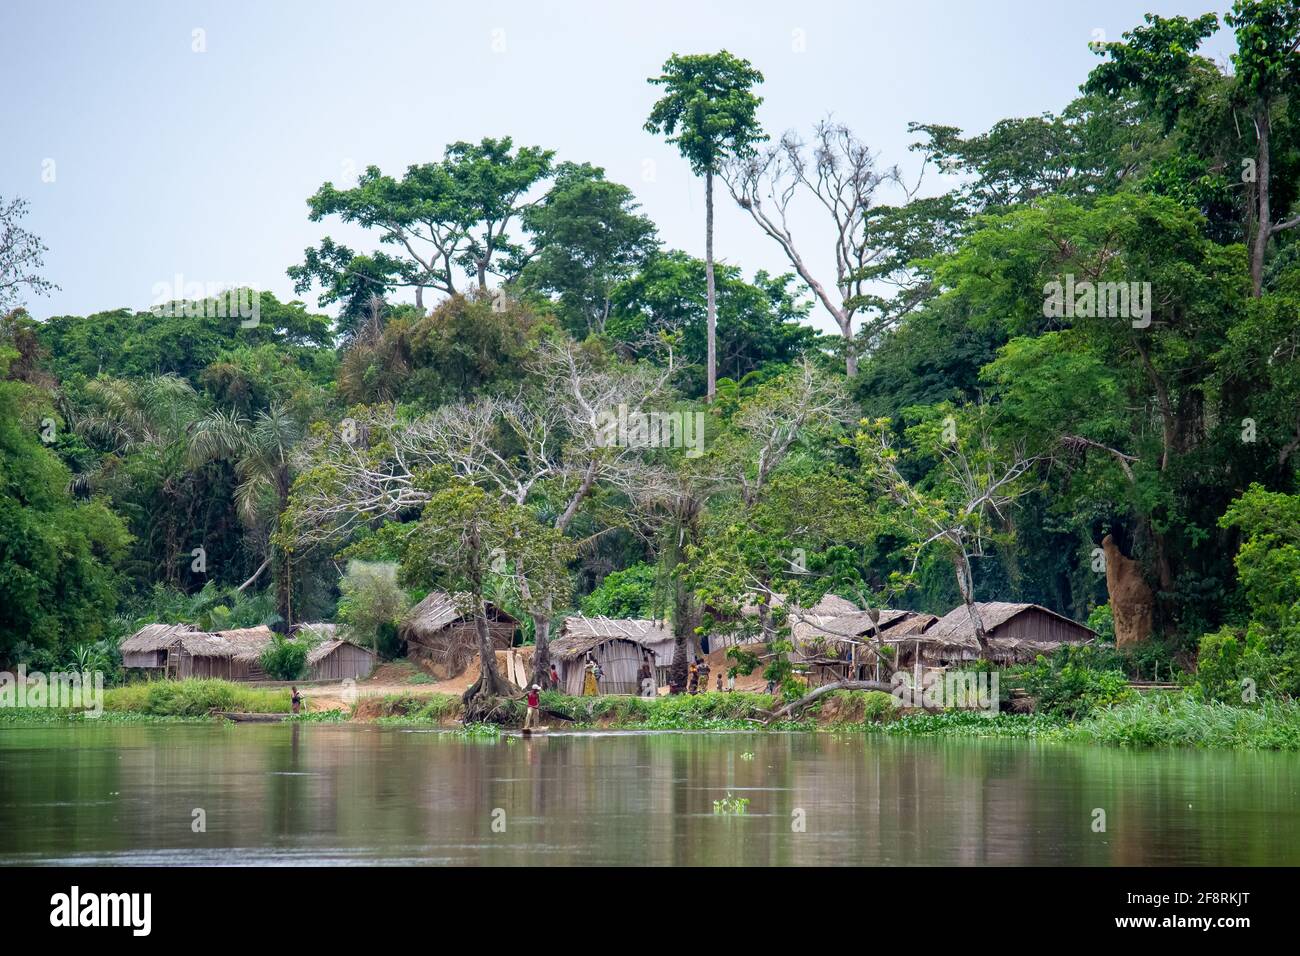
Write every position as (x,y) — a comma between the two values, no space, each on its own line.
(697,678)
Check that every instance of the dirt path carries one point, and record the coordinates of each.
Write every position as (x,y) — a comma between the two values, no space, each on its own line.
(386,680)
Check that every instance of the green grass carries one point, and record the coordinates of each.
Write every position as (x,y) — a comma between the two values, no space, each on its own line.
(195,698)
(967,723)
(711,711)
(398,709)
(1182,721)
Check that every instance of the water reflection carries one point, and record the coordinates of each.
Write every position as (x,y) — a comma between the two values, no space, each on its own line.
(341,794)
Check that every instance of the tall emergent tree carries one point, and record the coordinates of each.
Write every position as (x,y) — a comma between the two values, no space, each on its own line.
(708,110)
(440,218)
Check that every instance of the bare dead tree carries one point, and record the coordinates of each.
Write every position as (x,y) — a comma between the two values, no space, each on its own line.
(839,172)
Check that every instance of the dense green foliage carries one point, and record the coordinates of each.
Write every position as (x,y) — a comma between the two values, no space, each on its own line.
(1096,335)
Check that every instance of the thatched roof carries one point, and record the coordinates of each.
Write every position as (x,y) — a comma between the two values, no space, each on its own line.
(245,643)
(570,647)
(634,629)
(155,637)
(827,636)
(326,648)
(829,605)
(440,609)
(953,635)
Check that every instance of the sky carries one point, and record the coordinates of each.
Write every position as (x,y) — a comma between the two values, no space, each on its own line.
(182,139)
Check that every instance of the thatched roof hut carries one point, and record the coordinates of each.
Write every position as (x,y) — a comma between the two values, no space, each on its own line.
(340,660)
(619,656)
(831,644)
(1017,633)
(440,633)
(232,655)
(148,647)
(653,636)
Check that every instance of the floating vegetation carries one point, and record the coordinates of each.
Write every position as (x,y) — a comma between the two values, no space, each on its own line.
(734,806)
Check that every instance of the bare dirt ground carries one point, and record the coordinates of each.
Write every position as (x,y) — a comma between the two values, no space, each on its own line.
(395,677)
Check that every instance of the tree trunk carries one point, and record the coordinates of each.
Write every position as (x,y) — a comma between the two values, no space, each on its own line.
(850,356)
(966,585)
(480,698)
(710,304)
(541,674)
(798,705)
(1264,225)
(283,580)
(683,625)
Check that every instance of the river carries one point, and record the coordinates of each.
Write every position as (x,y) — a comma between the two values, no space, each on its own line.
(350,794)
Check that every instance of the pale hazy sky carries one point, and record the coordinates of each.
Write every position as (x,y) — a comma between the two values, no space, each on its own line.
(168,161)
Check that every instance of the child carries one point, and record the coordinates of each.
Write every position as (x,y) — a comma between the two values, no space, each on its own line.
(719,683)
(534,699)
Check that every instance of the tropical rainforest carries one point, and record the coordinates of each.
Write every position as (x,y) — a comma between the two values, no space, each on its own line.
(1071,379)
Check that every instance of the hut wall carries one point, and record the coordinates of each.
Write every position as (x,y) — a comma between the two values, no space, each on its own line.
(451,648)
(144,659)
(345,661)
(619,661)
(1034,625)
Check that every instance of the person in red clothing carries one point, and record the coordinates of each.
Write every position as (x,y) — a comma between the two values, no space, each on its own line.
(534,700)
(555,678)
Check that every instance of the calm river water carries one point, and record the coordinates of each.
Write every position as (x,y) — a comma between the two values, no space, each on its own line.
(345,794)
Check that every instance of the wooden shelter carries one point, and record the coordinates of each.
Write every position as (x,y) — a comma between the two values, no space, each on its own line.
(340,660)
(619,657)
(831,645)
(229,655)
(440,632)
(148,647)
(1017,633)
(653,636)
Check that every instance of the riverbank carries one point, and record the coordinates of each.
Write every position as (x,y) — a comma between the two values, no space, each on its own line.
(1150,720)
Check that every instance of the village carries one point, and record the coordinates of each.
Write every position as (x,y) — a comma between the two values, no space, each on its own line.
(834,643)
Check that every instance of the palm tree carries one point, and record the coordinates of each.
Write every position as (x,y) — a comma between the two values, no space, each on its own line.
(708,111)
(149,419)
(261,450)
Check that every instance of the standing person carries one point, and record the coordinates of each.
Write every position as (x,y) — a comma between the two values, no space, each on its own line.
(534,700)
(646,675)
(693,678)
(296,700)
(590,688)
(731,681)
(719,683)
(555,678)
(704,676)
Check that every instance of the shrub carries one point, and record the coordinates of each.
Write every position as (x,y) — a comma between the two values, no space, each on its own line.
(626,593)
(1074,681)
(1229,669)
(284,659)
(372,604)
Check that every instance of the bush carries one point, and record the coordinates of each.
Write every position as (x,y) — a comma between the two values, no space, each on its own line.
(626,593)
(1074,681)
(1179,719)
(195,698)
(372,604)
(1230,670)
(284,659)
